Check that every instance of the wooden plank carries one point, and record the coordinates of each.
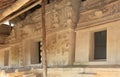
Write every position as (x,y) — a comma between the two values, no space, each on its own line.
(20,12)
(44,40)
(18,4)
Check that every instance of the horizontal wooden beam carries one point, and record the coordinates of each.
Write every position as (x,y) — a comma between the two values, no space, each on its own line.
(5,4)
(17,5)
(20,12)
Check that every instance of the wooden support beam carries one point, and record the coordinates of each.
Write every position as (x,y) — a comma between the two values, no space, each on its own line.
(5,4)
(44,40)
(20,12)
(18,4)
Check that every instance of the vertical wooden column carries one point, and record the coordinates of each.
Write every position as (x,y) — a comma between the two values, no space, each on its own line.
(44,59)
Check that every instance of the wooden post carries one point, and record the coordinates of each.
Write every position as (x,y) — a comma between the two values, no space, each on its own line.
(44,40)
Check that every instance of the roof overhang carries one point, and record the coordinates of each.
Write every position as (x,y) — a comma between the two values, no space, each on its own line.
(17,8)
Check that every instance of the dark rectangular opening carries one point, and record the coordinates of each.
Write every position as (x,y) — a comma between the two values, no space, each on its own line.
(36,53)
(83,0)
(100,40)
(39,52)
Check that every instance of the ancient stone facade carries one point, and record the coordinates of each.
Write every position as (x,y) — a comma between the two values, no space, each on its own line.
(70,26)
(60,25)
(98,12)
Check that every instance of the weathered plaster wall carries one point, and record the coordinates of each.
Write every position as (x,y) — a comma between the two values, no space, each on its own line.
(60,24)
(114,43)
(1,58)
(14,56)
(61,39)
(60,44)
(84,44)
(98,12)
(96,16)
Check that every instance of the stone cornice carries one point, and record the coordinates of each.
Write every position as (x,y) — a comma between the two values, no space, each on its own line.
(105,14)
(90,4)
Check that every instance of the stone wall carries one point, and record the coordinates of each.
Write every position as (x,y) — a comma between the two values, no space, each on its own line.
(94,13)
(61,20)
(67,42)
(85,43)
(97,16)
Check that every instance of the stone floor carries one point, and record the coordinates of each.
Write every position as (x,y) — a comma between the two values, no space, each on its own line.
(69,71)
